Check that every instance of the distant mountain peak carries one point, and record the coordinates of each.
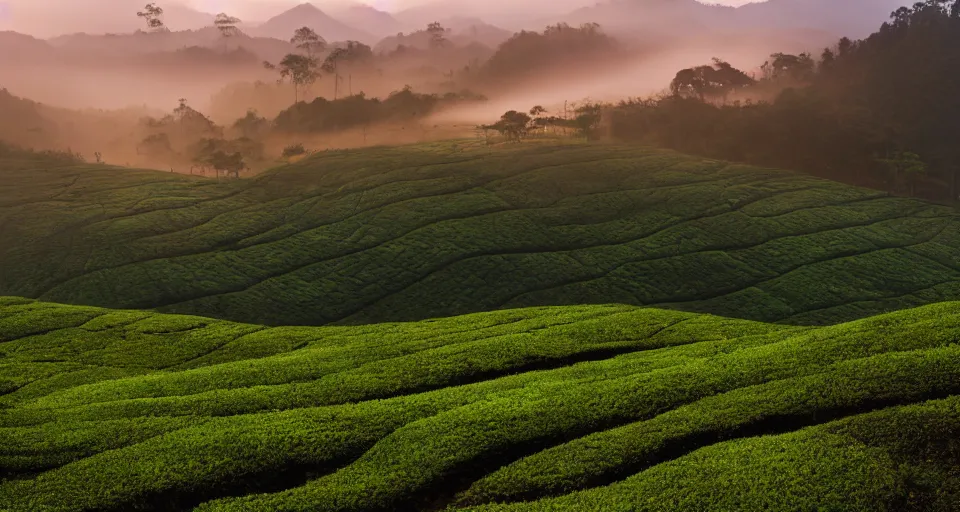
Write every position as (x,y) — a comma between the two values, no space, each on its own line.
(307,14)
(303,8)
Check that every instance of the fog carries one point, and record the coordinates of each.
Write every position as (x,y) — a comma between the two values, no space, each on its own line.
(146,91)
(50,18)
(95,91)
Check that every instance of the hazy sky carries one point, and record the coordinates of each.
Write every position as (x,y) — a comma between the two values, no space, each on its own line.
(396,5)
(47,18)
(389,5)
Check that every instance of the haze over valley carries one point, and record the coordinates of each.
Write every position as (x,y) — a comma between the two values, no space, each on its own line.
(485,256)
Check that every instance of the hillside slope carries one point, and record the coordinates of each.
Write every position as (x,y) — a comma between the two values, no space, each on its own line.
(406,233)
(283,25)
(586,408)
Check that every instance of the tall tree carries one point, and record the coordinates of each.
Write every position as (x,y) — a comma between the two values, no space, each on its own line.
(226,24)
(354,53)
(785,66)
(437,35)
(306,39)
(153,15)
(331,65)
(713,81)
(300,70)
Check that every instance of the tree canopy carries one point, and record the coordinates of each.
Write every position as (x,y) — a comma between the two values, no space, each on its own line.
(306,39)
(880,112)
(226,24)
(527,52)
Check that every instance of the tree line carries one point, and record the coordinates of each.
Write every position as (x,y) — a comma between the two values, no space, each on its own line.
(882,112)
(516,126)
(187,136)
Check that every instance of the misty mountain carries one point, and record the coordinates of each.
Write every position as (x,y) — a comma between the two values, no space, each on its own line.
(50,18)
(461,32)
(282,26)
(852,18)
(511,14)
(22,48)
(119,46)
(22,121)
(684,18)
(251,12)
(474,30)
(368,19)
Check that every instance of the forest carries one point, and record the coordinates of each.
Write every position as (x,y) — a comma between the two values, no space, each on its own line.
(881,112)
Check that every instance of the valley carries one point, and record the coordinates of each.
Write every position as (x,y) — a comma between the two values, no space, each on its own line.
(631,255)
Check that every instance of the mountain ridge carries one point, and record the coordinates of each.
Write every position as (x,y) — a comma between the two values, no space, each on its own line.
(283,25)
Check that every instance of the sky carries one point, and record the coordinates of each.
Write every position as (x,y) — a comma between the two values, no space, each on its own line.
(384,5)
(46,18)
(399,5)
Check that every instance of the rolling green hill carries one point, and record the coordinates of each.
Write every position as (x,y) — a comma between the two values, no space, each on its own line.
(561,408)
(407,233)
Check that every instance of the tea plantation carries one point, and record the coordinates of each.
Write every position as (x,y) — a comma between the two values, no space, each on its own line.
(415,232)
(452,326)
(557,408)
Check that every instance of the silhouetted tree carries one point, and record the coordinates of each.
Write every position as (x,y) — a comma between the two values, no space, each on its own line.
(797,68)
(153,15)
(306,39)
(353,53)
(251,125)
(847,117)
(437,35)
(321,115)
(513,125)
(331,65)
(713,81)
(293,150)
(226,24)
(193,123)
(229,163)
(300,70)
(588,118)
(527,53)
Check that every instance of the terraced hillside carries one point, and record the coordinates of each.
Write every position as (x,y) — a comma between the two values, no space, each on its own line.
(407,233)
(577,407)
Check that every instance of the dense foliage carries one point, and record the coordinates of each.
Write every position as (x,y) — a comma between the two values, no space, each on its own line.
(323,115)
(583,120)
(11,154)
(856,114)
(22,122)
(528,54)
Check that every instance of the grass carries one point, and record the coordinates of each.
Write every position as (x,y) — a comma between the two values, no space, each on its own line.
(603,407)
(432,230)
